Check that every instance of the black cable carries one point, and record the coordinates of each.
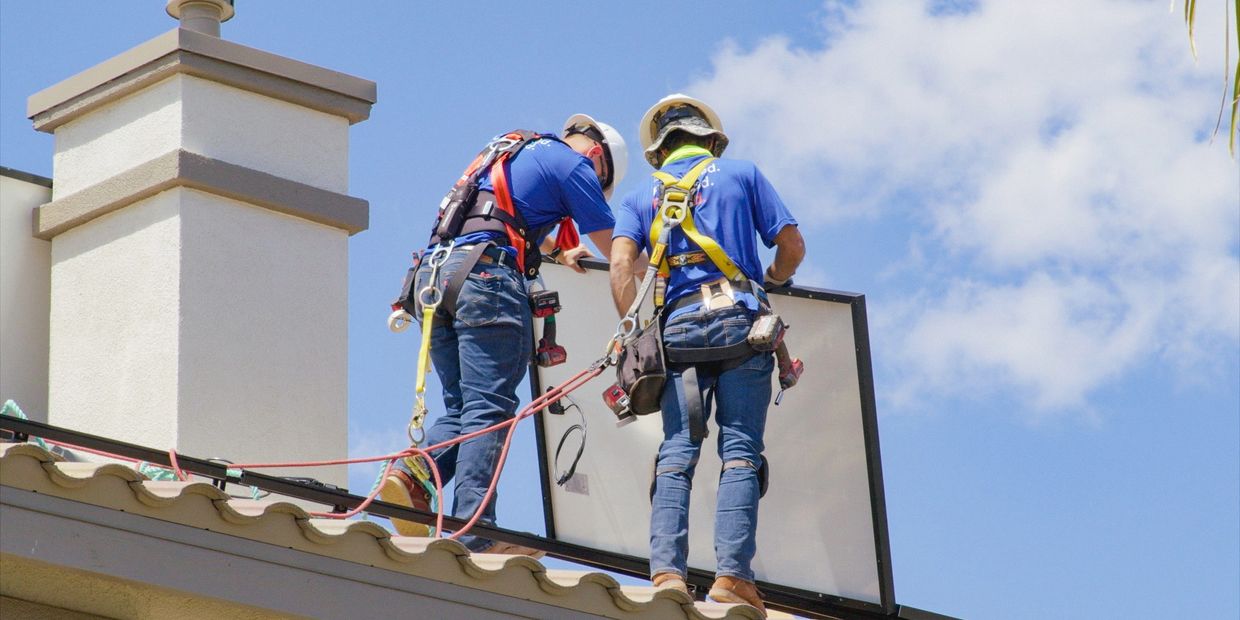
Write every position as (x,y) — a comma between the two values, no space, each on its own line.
(572,469)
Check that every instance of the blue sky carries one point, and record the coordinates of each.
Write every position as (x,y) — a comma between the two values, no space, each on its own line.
(1025,192)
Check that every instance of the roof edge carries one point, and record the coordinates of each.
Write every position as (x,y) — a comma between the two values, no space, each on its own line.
(28,177)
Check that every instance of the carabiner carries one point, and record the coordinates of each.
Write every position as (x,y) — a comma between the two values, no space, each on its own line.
(623,334)
(439,255)
(416,419)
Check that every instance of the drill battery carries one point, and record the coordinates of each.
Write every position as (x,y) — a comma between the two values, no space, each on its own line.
(544,303)
(767,332)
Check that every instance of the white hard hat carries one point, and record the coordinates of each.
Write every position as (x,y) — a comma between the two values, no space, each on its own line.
(656,124)
(614,149)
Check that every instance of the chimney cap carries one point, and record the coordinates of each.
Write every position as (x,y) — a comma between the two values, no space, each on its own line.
(214,10)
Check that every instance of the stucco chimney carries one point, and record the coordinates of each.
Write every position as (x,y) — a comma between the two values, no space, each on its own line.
(199,224)
(201,15)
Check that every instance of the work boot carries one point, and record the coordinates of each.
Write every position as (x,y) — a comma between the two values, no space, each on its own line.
(735,590)
(399,488)
(670,581)
(504,548)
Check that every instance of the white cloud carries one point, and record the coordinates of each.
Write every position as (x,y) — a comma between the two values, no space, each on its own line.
(1071,222)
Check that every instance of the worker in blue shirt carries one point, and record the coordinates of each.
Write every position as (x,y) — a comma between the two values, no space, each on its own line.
(733,206)
(481,336)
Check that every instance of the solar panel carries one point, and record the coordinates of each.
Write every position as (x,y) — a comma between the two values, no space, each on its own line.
(822,525)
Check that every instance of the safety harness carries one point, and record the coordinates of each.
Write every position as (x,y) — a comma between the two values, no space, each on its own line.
(681,193)
(465,210)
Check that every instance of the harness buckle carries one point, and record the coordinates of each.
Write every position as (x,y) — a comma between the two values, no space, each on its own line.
(502,144)
(717,294)
(675,207)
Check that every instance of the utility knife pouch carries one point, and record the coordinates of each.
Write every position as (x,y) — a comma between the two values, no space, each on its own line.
(642,370)
(456,205)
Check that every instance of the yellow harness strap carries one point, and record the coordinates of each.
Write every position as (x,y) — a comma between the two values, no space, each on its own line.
(678,190)
(424,351)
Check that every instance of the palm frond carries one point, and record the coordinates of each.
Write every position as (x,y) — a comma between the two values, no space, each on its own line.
(1190,18)
(1235,86)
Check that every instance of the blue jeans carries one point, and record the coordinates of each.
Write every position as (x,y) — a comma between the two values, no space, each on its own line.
(480,359)
(741,397)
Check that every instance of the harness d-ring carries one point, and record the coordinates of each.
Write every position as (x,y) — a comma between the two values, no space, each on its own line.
(430,296)
(624,333)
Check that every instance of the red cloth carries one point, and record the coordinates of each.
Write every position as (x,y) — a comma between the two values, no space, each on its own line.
(567,238)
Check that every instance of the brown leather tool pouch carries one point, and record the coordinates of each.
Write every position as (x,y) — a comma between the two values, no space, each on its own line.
(642,370)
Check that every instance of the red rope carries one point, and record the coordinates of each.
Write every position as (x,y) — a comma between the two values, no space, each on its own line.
(176,468)
(551,395)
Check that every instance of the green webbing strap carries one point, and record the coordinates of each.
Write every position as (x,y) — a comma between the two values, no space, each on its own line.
(150,470)
(710,246)
(13,411)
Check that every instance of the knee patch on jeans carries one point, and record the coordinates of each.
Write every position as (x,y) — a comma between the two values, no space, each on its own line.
(656,471)
(763,470)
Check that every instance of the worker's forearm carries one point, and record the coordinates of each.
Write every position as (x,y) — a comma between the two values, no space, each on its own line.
(785,264)
(789,252)
(623,286)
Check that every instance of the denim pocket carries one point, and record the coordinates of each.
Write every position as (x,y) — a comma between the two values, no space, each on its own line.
(421,277)
(729,326)
(491,296)
(716,328)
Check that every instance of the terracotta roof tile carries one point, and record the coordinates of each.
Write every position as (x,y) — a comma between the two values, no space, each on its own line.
(202,505)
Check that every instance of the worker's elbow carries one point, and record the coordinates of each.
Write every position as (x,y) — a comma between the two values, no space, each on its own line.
(798,250)
(790,243)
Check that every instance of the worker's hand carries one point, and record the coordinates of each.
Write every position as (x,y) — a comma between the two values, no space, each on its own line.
(771,282)
(569,258)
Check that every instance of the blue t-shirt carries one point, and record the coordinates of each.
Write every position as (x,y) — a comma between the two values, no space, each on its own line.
(550,181)
(735,206)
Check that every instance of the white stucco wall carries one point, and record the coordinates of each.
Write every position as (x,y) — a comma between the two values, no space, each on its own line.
(259,132)
(264,335)
(116,316)
(208,118)
(25,267)
(199,323)
(117,137)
